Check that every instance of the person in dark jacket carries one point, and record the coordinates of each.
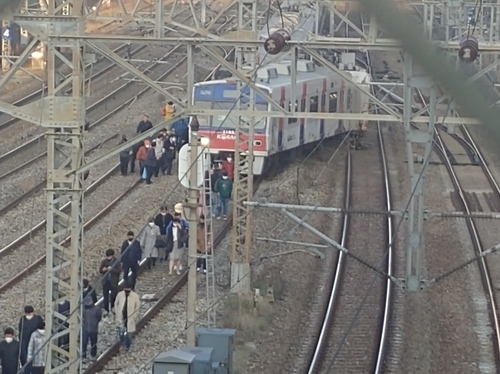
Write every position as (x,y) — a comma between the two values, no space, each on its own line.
(168,155)
(144,125)
(224,188)
(91,316)
(88,290)
(184,225)
(63,308)
(131,254)
(133,156)
(150,162)
(162,220)
(124,157)
(27,325)
(181,129)
(111,268)
(212,200)
(9,353)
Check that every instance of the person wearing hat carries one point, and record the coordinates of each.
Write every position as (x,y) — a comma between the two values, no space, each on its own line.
(127,306)
(9,352)
(110,268)
(37,349)
(177,239)
(91,316)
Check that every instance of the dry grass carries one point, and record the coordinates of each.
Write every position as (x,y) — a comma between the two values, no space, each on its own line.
(247,317)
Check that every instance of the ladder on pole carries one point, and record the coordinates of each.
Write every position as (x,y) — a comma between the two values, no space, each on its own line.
(209,240)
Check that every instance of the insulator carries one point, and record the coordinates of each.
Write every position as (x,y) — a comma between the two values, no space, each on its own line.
(276,42)
(469,49)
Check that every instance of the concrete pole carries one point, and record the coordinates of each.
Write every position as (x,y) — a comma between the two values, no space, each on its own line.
(192,208)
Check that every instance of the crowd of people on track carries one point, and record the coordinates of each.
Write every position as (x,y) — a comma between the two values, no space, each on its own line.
(164,239)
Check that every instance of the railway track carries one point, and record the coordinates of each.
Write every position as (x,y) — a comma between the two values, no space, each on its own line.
(19,274)
(36,162)
(36,145)
(363,348)
(476,190)
(345,345)
(163,290)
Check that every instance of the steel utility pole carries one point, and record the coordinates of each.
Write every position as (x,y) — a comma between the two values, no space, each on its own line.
(192,208)
(243,155)
(64,118)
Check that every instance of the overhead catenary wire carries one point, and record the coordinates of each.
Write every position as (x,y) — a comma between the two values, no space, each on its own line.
(252,79)
(223,297)
(379,2)
(383,259)
(193,164)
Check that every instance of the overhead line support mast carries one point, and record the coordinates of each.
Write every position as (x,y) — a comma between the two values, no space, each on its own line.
(246,63)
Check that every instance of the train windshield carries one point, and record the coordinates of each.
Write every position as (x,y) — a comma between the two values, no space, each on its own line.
(228,121)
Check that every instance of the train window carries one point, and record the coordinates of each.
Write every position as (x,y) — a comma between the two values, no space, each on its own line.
(293,120)
(303,105)
(313,104)
(332,105)
(323,102)
(349,98)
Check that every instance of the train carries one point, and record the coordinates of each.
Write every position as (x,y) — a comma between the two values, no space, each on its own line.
(318,88)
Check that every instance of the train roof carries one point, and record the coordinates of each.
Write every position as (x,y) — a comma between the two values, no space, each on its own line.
(279,74)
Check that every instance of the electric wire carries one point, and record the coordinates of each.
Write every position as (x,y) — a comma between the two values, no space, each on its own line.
(396,230)
(30,240)
(253,267)
(382,261)
(193,164)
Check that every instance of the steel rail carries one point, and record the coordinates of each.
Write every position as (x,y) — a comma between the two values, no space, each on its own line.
(108,114)
(322,341)
(143,263)
(39,93)
(39,138)
(390,243)
(114,349)
(39,186)
(41,225)
(484,165)
(476,240)
(321,345)
(390,257)
(11,246)
(18,277)
(17,242)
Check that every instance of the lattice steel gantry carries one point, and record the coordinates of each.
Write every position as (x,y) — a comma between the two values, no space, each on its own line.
(243,155)
(63,117)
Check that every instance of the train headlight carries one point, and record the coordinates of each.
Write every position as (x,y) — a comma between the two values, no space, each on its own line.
(205,142)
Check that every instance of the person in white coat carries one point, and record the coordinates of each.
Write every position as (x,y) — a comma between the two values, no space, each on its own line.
(148,242)
(127,306)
